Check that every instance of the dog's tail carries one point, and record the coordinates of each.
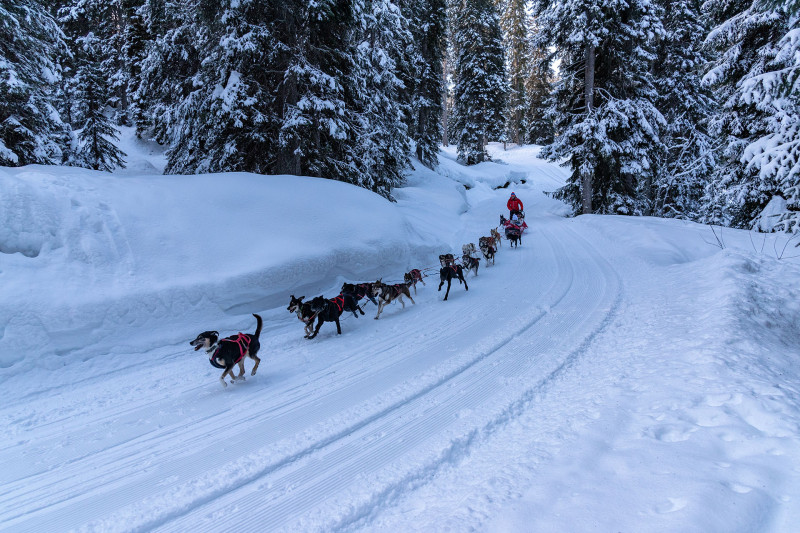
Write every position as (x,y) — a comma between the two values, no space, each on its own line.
(258,328)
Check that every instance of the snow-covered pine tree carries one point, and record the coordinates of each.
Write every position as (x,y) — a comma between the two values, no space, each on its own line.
(429,28)
(381,149)
(30,128)
(776,155)
(95,147)
(226,121)
(604,102)
(686,104)
(170,63)
(480,86)
(316,62)
(538,86)
(105,21)
(514,23)
(135,40)
(745,37)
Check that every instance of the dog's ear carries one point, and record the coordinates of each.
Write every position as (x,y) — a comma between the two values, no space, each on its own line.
(301,298)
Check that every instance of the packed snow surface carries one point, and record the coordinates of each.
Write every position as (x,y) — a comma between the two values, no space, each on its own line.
(610,374)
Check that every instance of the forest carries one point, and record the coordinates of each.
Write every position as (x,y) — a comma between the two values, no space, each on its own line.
(670,108)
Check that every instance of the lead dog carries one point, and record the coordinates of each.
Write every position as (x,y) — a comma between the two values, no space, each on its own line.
(230,351)
(386,294)
(413,277)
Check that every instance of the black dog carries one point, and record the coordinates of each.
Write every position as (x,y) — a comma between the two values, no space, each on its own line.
(227,352)
(303,312)
(327,311)
(514,235)
(359,291)
(447,274)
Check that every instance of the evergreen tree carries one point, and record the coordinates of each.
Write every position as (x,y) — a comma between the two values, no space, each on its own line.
(95,149)
(686,104)
(30,128)
(603,106)
(745,38)
(429,32)
(381,149)
(514,23)
(776,155)
(316,127)
(480,89)
(171,61)
(538,86)
(225,121)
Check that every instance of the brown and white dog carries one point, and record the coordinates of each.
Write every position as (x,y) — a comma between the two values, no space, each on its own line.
(386,294)
(230,351)
(413,277)
(496,237)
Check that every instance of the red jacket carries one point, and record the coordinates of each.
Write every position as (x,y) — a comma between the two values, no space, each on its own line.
(514,204)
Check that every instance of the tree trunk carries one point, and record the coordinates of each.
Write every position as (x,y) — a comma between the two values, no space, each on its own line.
(586,178)
(445,111)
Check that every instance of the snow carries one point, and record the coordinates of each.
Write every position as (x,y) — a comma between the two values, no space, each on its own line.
(611,374)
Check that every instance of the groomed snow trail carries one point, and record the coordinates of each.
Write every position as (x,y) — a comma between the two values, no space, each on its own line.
(331,430)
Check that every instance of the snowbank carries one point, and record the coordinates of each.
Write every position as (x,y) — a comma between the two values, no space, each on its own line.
(90,258)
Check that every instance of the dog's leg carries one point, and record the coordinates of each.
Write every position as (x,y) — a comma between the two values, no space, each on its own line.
(222,377)
(316,330)
(466,287)
(255,358)
(380,308)
(338,327)
(241,370)
(448,289)
(360,310)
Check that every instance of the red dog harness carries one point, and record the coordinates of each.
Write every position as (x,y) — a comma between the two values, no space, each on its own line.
(339,302)
(242,340)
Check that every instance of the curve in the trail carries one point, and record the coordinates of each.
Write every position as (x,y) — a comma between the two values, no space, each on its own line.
(395,406)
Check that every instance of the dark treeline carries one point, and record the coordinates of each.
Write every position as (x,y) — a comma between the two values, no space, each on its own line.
(673,108)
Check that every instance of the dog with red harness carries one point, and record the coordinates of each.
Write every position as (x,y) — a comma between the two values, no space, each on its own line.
(386,294)
(413,277)
(230,351)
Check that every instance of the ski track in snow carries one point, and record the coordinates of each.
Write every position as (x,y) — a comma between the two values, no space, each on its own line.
(327,448)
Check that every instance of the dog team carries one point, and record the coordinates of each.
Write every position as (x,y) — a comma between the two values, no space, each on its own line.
(231,351)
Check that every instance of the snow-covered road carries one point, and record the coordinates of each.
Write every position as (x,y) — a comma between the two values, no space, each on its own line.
(326,444)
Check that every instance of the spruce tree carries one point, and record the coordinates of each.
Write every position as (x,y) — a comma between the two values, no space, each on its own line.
(538,86)
(514,23)
(429,33)
(381,148)
(96,149)
(604,105)
(480,87)
(30,41)
(745,37)
(686,104)
(776,155)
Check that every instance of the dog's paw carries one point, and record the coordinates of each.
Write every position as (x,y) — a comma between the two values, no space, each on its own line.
(223,383)
(253,373)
